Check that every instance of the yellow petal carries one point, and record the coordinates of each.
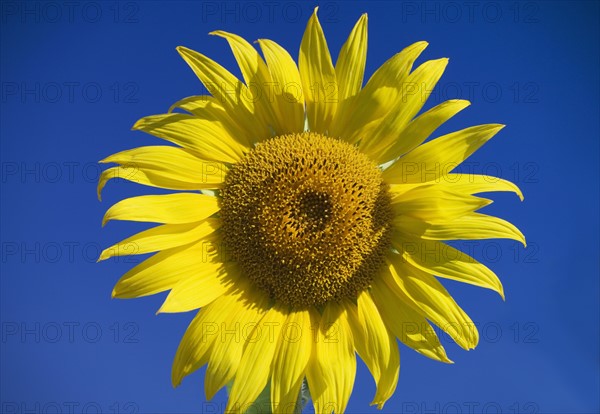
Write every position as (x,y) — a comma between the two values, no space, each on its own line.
(153,178)
(164,167)
(161,237)
(420,128)
(458,183)
(206,106)
(162,271)
(197,104)
(209,139)
(413,95)
(438,258)
(318,77)
(438,157)
(235,335)
(426,295)
(193,350)
(473,184)
(332,367)
(287,86)
(210,280)
(350,64)
(257,78)
(169,208)
(255,366)
(379,95)
(230,92)
(211,325)
(291,359)
(472,226)
(376,347)
(350,68)
(408,325)
(435,203)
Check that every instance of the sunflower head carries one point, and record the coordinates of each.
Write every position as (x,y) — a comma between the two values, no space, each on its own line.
(307,217)
(334,205)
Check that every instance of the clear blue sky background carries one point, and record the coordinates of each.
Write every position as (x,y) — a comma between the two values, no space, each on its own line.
(75,76)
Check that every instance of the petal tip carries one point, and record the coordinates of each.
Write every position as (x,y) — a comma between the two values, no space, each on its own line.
(379,404)
(106,254)
(463,103)
(183,51)
(176,373)
(136,126)
(164,307)
(219,33)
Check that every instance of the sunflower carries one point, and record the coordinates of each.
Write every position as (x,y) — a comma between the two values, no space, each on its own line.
(312,221)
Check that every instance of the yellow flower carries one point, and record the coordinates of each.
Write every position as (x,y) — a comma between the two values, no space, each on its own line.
(313,220)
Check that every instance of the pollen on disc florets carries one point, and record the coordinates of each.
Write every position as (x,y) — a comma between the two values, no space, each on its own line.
(307,218)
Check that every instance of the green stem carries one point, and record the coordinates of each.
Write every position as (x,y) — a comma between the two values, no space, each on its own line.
(262,404)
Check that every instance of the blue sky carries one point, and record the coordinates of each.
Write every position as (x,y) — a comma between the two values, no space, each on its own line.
(75,76)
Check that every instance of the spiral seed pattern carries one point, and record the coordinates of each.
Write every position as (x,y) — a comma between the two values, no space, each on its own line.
(307,218)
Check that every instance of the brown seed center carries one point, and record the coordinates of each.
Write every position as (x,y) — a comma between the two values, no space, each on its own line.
(307,218)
